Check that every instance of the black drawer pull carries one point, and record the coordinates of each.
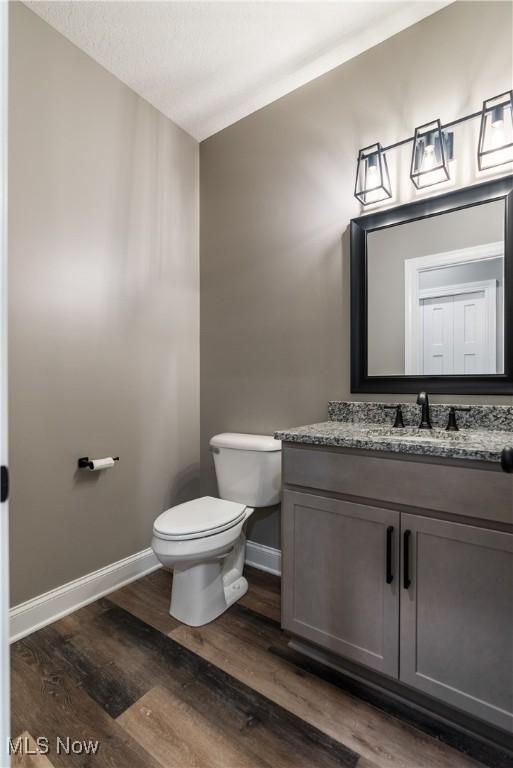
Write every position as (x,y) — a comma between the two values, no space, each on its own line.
(390,533)
(406,559)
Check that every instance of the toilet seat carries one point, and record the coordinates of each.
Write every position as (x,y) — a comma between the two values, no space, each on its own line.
(198,518)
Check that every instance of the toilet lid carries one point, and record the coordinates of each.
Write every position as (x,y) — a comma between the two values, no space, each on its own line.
(200,517)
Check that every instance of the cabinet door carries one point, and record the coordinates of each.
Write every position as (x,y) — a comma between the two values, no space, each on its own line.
(457,616)
(336,589)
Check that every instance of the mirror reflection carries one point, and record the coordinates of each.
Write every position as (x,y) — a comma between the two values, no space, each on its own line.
(435,295)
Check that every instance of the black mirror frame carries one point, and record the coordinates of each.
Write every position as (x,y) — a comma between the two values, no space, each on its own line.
(489,384)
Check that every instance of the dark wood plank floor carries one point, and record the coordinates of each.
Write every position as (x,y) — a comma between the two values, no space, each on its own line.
(159,694)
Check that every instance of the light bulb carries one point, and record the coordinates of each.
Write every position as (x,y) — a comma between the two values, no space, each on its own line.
(428,158)
(497,118)
(372,175)
(497,138)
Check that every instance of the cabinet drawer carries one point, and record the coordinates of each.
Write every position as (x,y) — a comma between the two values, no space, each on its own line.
(472,491)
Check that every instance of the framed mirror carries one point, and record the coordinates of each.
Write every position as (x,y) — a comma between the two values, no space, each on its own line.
(432,294)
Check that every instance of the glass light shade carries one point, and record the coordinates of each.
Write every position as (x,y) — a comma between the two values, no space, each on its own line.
(432,150)
(496,132)
(372,177)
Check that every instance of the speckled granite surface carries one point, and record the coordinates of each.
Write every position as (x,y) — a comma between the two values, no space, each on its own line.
(483,434)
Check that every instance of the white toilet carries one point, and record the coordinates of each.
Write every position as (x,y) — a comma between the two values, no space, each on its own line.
(203,540)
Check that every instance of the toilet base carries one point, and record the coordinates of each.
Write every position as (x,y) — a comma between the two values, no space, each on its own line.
(235,591)
(203,591)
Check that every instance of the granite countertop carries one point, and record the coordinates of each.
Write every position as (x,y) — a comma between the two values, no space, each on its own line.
(370,428)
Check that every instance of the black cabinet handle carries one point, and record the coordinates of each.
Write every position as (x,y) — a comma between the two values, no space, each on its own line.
(507,460)
(390,533)
(4,490)
(406,559)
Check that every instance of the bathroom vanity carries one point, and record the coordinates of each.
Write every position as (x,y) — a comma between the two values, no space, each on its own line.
(397,541)
(397,549)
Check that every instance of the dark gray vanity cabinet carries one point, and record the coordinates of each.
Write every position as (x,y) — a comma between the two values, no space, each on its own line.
(457,616)
(335,575)
(436,615)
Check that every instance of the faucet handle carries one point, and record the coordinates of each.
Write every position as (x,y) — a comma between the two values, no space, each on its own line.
(422,398)
(452,424)
(398,423)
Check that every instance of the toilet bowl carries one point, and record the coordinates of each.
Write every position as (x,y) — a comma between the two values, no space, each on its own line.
(203,540)
(207,562)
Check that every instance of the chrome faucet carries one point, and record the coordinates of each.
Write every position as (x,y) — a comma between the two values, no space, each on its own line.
(425,419)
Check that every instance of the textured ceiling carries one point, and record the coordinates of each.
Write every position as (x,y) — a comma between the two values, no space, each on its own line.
(208,64)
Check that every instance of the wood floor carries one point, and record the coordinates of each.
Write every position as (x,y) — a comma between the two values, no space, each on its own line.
(158,694)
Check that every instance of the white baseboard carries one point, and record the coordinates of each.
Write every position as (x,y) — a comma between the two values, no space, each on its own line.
(27,617)
(34,614)
(264,558)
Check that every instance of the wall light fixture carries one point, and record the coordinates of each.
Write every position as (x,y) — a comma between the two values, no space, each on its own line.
(372,177)
(496,132)
(432,150)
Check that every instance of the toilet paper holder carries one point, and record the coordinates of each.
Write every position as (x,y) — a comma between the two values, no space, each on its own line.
(86,463)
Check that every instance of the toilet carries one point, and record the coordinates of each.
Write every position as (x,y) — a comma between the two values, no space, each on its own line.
(203,540)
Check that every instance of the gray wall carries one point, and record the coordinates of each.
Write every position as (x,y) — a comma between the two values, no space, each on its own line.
(104,311)
(276,201)
(389,248)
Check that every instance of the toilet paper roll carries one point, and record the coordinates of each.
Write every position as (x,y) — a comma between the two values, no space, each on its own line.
(96,464)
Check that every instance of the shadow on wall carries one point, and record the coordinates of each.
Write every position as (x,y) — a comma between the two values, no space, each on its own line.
(264,527)
(185,486)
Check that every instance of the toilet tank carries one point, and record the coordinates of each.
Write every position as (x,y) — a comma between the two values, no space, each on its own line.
(248,468)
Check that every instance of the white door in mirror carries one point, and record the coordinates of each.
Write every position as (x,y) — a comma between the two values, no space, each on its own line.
(437,336)
(455,335)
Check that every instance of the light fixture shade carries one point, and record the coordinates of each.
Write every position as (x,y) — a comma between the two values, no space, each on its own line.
(372,177)
(432,150)
(496,133)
